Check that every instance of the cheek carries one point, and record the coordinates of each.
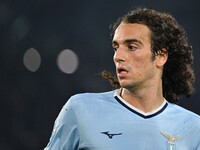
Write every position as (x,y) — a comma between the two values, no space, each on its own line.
(144,60)
(137,63)
(139,66)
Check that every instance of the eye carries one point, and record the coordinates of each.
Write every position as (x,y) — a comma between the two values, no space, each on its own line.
(115,48)
(132,47)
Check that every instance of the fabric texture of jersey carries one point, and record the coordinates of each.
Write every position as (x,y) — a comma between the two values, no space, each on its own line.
(102,121)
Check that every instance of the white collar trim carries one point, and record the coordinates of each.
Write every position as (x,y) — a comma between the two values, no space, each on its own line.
(117,93)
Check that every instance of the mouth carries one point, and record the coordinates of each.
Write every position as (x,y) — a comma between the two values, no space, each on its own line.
(122,70)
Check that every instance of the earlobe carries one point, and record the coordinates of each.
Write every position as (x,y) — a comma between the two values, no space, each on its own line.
(162,57)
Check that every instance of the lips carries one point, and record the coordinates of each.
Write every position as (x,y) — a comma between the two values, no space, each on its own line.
(121,71)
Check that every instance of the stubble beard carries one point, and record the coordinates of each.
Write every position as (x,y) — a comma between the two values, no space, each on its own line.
(135,84)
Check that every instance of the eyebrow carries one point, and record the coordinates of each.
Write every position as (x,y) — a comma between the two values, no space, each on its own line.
(129,41)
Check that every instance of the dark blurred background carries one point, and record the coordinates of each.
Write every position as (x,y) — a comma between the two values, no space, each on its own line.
(38,74)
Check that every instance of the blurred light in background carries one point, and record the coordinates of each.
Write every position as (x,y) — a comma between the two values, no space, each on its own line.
(67,61)
(20,28)
(32,59)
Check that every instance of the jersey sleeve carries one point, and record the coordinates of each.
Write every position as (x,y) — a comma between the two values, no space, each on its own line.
(198,147)
(65,134)
(198,135)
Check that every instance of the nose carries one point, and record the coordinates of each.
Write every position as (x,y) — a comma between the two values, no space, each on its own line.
(119,55)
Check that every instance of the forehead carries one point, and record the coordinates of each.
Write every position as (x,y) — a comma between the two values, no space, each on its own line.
(132,31)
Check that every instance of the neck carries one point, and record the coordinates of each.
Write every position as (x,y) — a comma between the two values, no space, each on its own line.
(146,99)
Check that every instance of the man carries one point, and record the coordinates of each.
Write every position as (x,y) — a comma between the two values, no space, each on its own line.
(152,59)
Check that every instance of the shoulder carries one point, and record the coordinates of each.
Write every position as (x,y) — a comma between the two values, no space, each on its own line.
(87,98)
(184,113)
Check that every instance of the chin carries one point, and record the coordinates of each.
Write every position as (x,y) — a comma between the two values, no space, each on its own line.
(127,85)
(124,85)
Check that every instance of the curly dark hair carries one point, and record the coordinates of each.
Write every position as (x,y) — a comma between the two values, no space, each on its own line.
(165,33)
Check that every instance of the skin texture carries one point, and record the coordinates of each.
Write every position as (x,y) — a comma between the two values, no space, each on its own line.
(138,74)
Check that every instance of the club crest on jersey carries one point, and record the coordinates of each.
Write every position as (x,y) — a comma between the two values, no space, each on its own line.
(171,145)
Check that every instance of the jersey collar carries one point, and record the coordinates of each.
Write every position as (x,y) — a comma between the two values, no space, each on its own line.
(136,110)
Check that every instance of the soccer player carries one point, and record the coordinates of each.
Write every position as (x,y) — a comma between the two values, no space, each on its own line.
(153,65)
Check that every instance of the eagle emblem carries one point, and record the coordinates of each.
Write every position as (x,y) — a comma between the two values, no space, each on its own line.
(171,145)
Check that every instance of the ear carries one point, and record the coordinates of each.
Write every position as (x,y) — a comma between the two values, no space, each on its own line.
(161,57)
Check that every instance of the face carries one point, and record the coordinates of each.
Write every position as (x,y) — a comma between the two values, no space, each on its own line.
(133,56)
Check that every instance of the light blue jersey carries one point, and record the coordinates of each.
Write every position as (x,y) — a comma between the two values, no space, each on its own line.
(105,121)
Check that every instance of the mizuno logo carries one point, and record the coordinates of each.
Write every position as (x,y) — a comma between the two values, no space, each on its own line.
(110,135)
